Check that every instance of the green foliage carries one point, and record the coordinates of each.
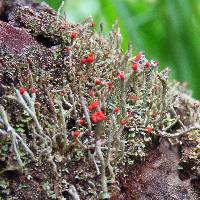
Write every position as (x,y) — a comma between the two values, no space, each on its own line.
(53,3)
(164,29)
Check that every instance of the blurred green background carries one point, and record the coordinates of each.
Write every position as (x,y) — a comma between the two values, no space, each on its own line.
(166,30)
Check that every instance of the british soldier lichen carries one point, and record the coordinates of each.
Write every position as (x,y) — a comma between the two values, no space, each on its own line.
(83,91)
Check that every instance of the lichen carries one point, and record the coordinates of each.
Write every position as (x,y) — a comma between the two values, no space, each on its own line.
(70,94)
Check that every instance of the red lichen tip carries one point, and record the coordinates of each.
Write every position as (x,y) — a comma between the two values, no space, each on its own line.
(156,63)
(148,65)
(97,116)
(123,122)
(82,122)
(92,24)
(83,60)
(138,57)
(93,105)
(110,84)
(22,90)
(97,82)
(148,130)
(135,67)
(90,54)
(91,93)
(73,35)
(114,71)
(116,110)
(76,134)
(121,76)
(89,59)
(62,93)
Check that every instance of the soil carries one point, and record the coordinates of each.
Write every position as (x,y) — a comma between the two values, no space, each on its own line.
(157,178)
